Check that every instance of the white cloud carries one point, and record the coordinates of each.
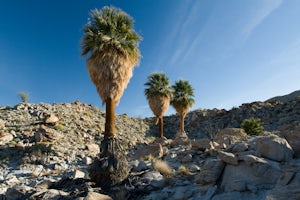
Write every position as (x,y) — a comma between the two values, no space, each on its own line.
(266,8)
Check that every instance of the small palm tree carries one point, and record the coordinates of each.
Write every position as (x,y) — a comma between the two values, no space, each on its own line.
(182,100)
(158,95)
(111,47)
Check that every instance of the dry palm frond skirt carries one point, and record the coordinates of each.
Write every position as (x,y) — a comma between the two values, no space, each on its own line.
(181,109)
(110,73)
(159,105)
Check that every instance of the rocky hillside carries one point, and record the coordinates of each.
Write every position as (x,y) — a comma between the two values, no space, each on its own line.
(286,98)
(45,152)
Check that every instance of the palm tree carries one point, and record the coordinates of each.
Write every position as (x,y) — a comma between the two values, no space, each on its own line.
(111,47)
(182,100)
(158,95)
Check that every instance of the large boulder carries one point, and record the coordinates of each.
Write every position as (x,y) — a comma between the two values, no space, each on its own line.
(154,149)
(210,172)
(202,144)
(274,148)
(293,138)
(252,174)
(290,191)
(226,137)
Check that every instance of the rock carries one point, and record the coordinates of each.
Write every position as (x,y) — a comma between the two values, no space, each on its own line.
(37,171)
(274,148)
(293,138)
(226,137)
(18,192)
(152,175)
(45,134)
(202,144)
(252,174)
(210,172)
(97,196)
(94,149)
(51,119)
(239,147)
(142,166)
(78,174)
(228,158)
(5,138)
(87,160)
(187,158)
(154,149)
(2,123)
(237,132)
(239,195)
(49,194)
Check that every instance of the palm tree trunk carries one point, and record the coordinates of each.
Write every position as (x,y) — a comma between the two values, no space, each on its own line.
(182,123)
(160,127)
(109,119)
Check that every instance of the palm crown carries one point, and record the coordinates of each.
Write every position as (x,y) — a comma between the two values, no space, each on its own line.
(110,28)
(183,94)
(158,85)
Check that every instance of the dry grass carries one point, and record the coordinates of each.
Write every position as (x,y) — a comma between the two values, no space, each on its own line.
(183,170)
(163,168)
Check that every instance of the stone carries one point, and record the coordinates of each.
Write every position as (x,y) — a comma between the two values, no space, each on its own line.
(18,192)
(78,174)
(5,138)
(87,160)
(226,137)
(94,149)
(202,144)
(239,147)
(290,191)
(51,119)
(187,158)
(293,138)
(97,196)
(154,149)
(142,166)
(2,123)
(37,171)
(252,173)
(274,148)
(228,158)
(46,134)
(49,194)
(210,172)
(238,132)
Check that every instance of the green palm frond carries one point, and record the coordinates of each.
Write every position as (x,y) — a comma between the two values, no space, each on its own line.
(183,94)
(158,84)
(110,28)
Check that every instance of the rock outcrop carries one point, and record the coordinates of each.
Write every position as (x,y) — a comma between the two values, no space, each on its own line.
(42,159)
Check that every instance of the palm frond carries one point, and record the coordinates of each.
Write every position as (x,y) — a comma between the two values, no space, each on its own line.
(158,85)
(183,94)
(110,28)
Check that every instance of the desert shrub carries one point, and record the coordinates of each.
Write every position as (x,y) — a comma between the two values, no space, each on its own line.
(24,96)
(163,168)
(183,170)
(252,126)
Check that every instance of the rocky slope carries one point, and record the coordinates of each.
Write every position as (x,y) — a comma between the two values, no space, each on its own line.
(45,151)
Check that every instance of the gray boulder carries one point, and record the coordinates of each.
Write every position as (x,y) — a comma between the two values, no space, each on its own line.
(274,148)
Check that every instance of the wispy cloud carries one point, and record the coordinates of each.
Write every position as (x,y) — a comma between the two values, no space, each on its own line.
(262,12)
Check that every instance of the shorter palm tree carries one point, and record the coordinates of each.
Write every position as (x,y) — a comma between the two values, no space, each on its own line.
(182,100)
(158,95)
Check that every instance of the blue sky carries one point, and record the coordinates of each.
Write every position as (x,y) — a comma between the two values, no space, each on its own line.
(232,52)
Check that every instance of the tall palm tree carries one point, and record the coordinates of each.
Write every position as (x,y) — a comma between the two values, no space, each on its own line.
(158,95)
(111,47)
(182,100)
